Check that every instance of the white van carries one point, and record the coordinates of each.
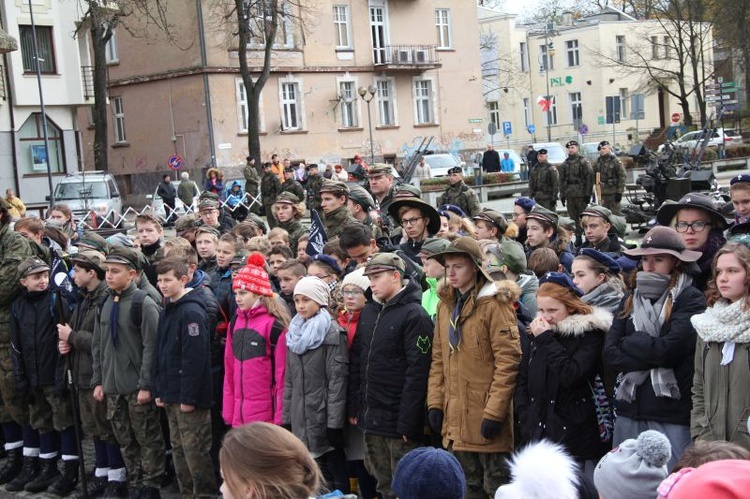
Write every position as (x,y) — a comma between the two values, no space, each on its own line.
(90,191)
(556,153)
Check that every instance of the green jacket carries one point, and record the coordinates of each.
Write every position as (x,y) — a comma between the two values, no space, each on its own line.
(335,220)
(462,196)
(187,191)
(544,182)
(430,298)
(14,248)
(295,188)
(295,230)
(81,337)
(252,181)
(611,174)
(387,224)
(576,178)
(270,188)
(126,368)
(314,183)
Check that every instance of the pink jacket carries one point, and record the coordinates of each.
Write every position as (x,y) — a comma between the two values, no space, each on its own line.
(254,370)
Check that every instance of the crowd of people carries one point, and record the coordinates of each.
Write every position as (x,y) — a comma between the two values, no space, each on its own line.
(398,349)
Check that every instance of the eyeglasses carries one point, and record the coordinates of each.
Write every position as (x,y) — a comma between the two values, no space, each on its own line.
(408,222)
(698,226)
(353,293)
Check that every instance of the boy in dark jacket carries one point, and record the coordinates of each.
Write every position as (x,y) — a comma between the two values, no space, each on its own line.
(182,379)
(75,341)
(390,364)
(39,373)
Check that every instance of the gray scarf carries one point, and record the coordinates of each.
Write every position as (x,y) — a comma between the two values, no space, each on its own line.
(649,316)
(304,335)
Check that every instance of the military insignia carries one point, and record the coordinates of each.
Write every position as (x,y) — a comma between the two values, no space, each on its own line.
(423,344)
(193,329)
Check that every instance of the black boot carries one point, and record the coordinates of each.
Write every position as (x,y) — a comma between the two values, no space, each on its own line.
(116,490)
(69,479)
(135,492)
(150,492)
(13,466)
(29,472)
(48,475)
(95,486)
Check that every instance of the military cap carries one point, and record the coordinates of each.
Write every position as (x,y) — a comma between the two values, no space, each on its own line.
(207,229)
(90,257)
(94,241)
(602,258)
(433,246)
(336,187)
(119,239)
(513,256)
(541,213)
(380,169)
(456,169)
(407,191)
(360,196)
(742,177)
(384,262)
(561,279)
(602,144)
(571,143)
(124,256)
(494,218)
(566,223)
(542,151)
(209,195)
(32,265)
(240,258)
(467,246)
(597,211)
(287,197)
(208,204)
(185,222)
(151,217)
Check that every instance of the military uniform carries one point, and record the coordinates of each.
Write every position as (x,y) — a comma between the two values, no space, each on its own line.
(252,183)
(335,220)
(295,230)
(612,181)
(576,186)
(314,183)
(544,185)
(291,185)
(463,196)
(270,188)
(386,222)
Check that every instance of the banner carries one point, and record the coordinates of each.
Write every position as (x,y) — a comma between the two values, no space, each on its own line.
(318,236)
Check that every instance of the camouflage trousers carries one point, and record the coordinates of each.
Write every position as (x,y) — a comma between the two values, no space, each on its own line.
(382,454)
(49,410)
(576,206)
(609,201)
(547,202)
(14,406)
(190,434)
(137,430)
(94,416)
(484,472)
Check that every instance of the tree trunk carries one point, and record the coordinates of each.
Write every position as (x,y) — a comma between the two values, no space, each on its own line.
(100,35)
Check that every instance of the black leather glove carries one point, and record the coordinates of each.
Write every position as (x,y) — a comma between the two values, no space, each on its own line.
(435,420)
(562,201)
(335,437)
(618,198)
(490,428)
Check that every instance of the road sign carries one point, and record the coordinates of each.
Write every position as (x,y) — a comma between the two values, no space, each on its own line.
(728,84)
(175,162)
(731,101)
(492,128)
(507,128)
(676,117)
(475,120)
(584,129)
(531,129)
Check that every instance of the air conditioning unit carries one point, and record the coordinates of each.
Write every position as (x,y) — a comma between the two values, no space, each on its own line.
(403,56)
(421,56)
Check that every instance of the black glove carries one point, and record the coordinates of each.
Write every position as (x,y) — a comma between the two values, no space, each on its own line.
(618,198)
(490,428)
(335,437)
(435,419)
(562,201)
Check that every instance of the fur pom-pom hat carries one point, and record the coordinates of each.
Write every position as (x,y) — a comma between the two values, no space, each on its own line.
(635,468)
(540,471)
(253,276)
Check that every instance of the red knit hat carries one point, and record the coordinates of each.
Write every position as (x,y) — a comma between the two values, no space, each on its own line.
(253,276)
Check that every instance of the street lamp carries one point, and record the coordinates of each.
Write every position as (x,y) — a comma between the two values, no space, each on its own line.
(367,94)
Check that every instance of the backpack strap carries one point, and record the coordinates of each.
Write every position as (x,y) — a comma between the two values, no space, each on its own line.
(137,307)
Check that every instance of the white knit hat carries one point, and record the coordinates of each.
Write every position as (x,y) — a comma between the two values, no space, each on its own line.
(357,278)
(314,288)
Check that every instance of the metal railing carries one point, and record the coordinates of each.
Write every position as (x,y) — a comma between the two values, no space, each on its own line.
(406,55)
(87,78)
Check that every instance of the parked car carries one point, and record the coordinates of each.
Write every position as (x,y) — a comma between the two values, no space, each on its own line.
(89,191)
(556,154)
(517,160)
(689,141)
(157,203)
(441,163)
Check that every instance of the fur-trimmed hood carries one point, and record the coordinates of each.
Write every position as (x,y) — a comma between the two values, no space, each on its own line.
(506,291)
(512,230)
(578,324)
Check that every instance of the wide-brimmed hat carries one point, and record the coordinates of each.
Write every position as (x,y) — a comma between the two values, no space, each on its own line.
(467,246)
(664,240)
(433,226)
(695,200)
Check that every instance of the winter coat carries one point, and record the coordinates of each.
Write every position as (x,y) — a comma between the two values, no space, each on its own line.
(214,185)
(167,192)
(14,248)
(529,284)
(477,380)
(610,245)
(390,364)
(627,350)
(315,387)
(82,333)
(553,397)
(181,367)
(127,367)
(254,366)
(187,191)
(202,286)
(33,336)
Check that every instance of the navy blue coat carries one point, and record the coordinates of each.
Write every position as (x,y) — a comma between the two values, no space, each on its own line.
(181,367)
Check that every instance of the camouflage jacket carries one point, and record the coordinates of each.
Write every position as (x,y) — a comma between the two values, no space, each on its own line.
(14,248)
(386,222)
(294,187)
(314,183)
(335,221)
(576,178)
(544,182)
(270,188)
(295,230)
(252,181)
(611,174)
(462,196)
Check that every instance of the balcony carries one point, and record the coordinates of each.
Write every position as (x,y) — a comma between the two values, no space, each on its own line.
(87,78)
(406,57)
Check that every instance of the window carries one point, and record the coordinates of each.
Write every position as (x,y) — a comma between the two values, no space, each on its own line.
(243,111)
(118,113)
(443,25)
(494,108)
(33,156)
(524,52)
(620,48)
(548,60)
(527,112)
(550,117)
(612,106)
(576,109)
(386,102)
(44,45)
(624,104)
(341,26)
(637,110)
(291,113)
(423,102)
(111,49)
(348,93)
(379,33)
(667,42)
(571,47)
(259,16)
(654,47)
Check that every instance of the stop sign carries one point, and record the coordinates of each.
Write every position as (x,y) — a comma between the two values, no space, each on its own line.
(675,117)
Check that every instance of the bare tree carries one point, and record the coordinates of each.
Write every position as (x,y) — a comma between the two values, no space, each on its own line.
(733,32)
(498,70)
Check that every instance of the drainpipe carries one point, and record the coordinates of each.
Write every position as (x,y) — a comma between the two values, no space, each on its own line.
(206,87)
